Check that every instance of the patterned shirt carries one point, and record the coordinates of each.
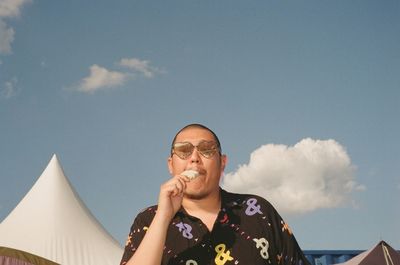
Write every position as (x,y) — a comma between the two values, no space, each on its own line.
(247,231)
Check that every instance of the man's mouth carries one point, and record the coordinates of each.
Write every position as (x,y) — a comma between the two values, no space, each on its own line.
(191,173)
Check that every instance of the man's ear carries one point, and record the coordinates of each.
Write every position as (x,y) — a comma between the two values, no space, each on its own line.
(169,163)
(224,161)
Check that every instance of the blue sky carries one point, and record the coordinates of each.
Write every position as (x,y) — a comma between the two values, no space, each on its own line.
(304,96)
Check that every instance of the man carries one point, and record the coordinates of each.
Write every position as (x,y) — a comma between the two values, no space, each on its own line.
(198,223)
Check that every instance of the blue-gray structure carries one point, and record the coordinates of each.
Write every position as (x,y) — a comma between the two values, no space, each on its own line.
(329,257)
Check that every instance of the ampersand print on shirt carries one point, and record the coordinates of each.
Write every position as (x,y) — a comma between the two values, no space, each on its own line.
(252,207)
(185,229)
(222,255)
(263,244)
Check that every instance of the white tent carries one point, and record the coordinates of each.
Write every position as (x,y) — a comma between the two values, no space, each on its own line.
(51,221)
(380,254)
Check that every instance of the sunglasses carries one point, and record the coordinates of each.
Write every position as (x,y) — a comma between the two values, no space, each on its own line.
(185,149)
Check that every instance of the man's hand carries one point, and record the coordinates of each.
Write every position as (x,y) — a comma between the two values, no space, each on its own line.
(170,200)
(171,195)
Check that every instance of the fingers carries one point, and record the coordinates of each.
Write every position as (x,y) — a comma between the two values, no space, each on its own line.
(175,186)
(171,196)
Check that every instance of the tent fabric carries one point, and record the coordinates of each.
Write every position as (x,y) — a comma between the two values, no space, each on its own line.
(10,256)
(51,221)
(381,254)
(12,261)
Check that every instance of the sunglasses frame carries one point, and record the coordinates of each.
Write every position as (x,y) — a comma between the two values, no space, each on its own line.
(214,149)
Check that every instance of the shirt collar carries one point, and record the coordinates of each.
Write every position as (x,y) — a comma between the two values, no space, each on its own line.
(228,203)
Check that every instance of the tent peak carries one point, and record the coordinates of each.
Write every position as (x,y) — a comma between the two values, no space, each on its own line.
(54,157)
(54,167)
(52,222)
(381,253)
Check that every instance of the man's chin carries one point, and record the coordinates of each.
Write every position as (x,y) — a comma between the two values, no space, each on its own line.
(196,195)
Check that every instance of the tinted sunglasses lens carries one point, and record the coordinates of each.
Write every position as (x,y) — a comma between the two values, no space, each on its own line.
(183,150)
(207,149)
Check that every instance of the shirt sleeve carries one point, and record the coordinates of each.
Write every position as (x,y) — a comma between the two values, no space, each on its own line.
(287,249)
(136,235)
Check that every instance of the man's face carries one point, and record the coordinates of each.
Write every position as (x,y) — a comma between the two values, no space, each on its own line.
(210,169)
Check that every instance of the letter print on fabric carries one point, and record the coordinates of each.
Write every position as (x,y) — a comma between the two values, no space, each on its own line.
(252,207)
(222,256)
(185,229)
(263,244)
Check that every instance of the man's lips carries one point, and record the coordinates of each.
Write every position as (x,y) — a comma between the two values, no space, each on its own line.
(191,174)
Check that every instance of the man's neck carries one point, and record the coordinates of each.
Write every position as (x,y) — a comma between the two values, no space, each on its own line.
(206,209)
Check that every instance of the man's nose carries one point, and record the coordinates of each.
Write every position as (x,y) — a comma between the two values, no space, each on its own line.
(195,157)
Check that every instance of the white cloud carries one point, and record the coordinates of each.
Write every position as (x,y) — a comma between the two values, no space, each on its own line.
(101,78)
(9,89)
(6,38)
(8,9)
(11,8)
(139,66)
(310,175)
